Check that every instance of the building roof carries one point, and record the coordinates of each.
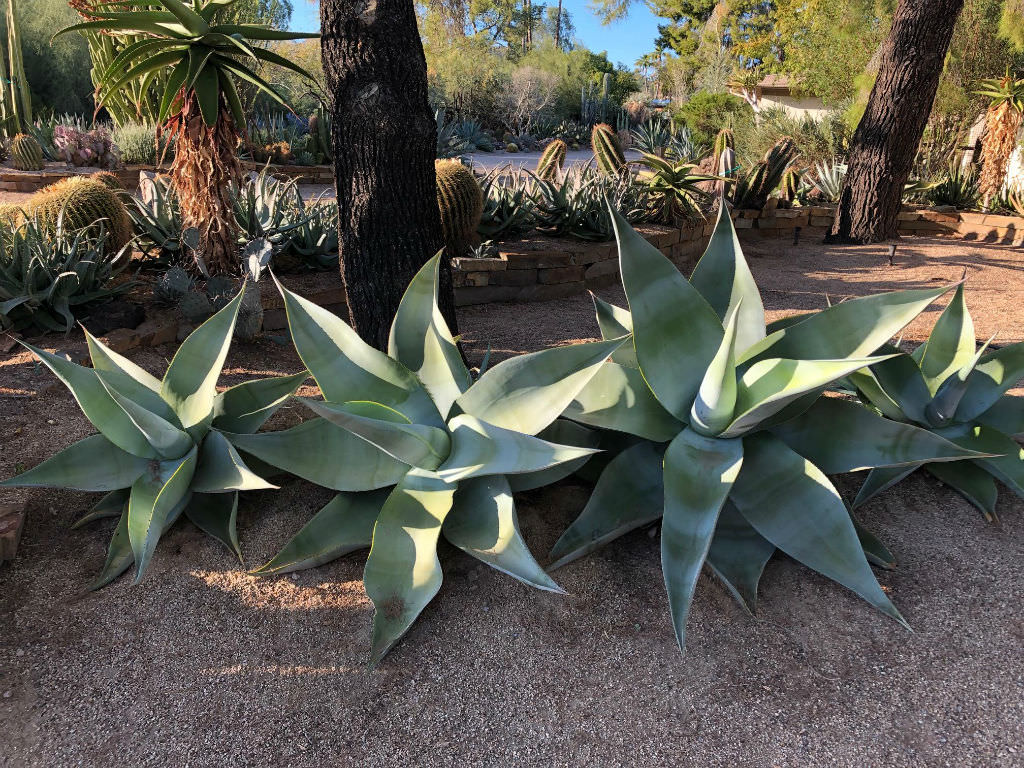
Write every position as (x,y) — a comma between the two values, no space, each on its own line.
(775,82)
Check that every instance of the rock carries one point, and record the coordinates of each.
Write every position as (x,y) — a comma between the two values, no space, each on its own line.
(12,520)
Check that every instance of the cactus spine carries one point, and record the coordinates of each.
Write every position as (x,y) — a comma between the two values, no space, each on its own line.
(607,150)
(26,153)
(84,201)
(549,167)
(461,203)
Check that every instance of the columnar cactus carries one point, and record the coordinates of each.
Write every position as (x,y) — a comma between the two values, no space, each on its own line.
(724,140)
(320,136)
(791,184)
(461,202)
(84,201)
(607,150)
(26,153)
(549,167)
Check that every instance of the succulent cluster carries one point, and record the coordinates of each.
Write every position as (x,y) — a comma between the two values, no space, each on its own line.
(94,147)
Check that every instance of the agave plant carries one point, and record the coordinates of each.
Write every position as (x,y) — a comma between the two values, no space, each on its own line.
(508,204)
(827,179)
(674,188)
(652,137)
(200,107)
(577,204)
(161,449)
(156,219)
(958,393)
(702,390)
(958,187)
(452,450)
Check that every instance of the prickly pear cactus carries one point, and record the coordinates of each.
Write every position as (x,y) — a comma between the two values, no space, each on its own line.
(172,286)
(195,306)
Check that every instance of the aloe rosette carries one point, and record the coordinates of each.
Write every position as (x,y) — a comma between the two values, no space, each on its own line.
(958,391)
(419,450)
(726,437)
(160,451)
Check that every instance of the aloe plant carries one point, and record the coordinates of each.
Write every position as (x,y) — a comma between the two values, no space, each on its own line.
(959,393)
(161,449)
(452,450)
(701,390)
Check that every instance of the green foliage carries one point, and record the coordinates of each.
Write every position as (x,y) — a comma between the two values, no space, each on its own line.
(816,140)
(706,113)
(707,377)
(508,204)
(449,448)
(461,203)
(958,187)
(48,271)
(82,201)
(57,71)
(473,136)
(26,153)
(577,204)
(607,148)
(958,392)
(755,184)
(161,450)
(674,189)
(137,143)
(549,166)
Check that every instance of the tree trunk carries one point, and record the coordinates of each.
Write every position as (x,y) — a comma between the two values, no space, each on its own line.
(885,142)
(558,27)
(385,141)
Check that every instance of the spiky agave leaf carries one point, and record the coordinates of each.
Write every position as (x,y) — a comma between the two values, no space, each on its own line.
(737,479)
(958,392)
(449,448)
(160,452)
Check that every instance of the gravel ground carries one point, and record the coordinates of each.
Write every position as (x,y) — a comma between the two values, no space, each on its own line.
(202,665)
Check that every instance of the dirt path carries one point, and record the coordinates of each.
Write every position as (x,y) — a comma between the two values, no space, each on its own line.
(202,665)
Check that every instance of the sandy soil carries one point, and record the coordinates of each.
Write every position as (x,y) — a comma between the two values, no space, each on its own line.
(202,665)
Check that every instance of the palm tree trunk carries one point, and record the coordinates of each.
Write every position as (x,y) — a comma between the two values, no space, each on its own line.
(385,141)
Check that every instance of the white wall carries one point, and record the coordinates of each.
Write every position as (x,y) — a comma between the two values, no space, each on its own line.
(795,106)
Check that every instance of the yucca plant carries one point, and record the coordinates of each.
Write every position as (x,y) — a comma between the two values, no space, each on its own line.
(701,390)
(451,449)
(199,60)
(161,450)
(958,392)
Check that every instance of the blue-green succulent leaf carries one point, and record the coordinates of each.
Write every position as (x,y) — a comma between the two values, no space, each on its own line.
(92,464)
(618,398)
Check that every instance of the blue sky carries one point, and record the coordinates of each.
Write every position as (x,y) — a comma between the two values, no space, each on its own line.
(625,41)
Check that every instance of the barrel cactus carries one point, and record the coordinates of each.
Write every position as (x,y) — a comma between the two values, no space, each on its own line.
(611,160)
(461,203)
(84,201)
(109,179)
(549,167)
(26,153)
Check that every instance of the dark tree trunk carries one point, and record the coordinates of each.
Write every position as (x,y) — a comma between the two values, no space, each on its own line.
(886,139)
(385,140)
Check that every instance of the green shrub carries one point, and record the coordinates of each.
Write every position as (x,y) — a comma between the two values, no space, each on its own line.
(707,113)
(137,142)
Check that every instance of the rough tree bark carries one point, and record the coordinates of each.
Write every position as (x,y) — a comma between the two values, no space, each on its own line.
(885,142)
(385,141)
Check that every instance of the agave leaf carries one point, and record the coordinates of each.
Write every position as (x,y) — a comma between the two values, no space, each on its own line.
(716,399)
(563,432)
(1006,459)
(785,322)
(111,505)
(881,479)
(221,469)
(119,555)
(480,448)
(699,472)
(865,439)
(854,328)
(901,381)
(169,441)
(92,464)
(970,481)
(991,378)
(616,322)
(217,515)
(770,385)
(347,368)
(343,525)
(387,429)
(528,392)
(106,359)
(483,523)
(738,555)
(421,341)
(618,398)
(1007,415)
(875,551)
(950,346)
(661,303)
(158,491)
(246,407)
(97,404)
(402,571)
(792,504)
(320,452)
(723,278)
(190,384)
(942,409)
(628,494)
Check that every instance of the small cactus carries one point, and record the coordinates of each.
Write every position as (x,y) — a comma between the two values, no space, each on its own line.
(195,306)
(26,153)
(172,286)
(549,167)
(461,203)
(510,147)
(611,160)
(790,183)
(723,141)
